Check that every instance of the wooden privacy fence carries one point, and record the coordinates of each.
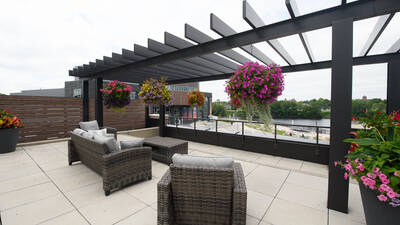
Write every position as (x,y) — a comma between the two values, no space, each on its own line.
(53,117)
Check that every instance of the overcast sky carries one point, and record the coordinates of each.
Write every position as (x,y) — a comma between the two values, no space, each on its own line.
(41,40)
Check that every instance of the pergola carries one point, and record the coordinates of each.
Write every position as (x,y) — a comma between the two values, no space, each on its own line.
(181,61)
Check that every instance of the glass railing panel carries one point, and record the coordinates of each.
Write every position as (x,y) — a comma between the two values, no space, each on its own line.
(205,125)
(230,127)
(258,130)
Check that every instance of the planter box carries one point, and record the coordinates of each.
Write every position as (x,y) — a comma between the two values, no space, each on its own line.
(8,139)
(377,212)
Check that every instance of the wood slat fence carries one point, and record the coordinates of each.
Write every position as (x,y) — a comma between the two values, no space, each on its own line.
(53,117)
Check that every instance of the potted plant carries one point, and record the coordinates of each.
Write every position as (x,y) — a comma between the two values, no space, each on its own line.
(155,92)
(10,125)
(253,87)
(374,161)
(117,95)
(196,99)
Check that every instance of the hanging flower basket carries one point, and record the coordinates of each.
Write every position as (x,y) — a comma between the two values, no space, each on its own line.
(196,98)
(155,92)
(374,161)
(10,125)
(117,95)
(253,87)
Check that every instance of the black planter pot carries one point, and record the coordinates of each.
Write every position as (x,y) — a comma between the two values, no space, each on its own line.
(8,139)
(377,212)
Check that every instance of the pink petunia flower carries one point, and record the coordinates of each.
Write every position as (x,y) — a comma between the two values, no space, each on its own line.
(382,198)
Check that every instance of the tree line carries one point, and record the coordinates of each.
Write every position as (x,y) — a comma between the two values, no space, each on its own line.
(309,109)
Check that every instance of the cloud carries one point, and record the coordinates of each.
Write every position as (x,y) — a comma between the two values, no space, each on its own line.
(41,40)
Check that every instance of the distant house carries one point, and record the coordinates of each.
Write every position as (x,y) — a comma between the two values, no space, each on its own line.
(54,92)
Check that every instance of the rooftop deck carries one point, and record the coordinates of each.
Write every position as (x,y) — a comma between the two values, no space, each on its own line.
(38,187)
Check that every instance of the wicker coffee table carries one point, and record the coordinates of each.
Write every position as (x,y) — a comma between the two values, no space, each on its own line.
(163,148)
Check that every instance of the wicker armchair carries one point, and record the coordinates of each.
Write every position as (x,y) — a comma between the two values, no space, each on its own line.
(200,196)
(118,169)
(110,130)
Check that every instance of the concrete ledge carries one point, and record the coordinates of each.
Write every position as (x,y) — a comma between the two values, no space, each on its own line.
(144,132)
(42,142)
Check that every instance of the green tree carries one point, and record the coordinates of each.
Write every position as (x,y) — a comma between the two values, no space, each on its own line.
(218,109)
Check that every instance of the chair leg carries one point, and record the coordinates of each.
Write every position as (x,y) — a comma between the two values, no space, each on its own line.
(107,193)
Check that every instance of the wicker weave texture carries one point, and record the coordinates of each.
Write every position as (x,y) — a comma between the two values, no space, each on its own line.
(188,195)
(163,148)
(117,169)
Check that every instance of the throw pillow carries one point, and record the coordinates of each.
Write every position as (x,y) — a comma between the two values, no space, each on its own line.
(134,143)
(78,131)
(109,142)
(102,132)
(91,125)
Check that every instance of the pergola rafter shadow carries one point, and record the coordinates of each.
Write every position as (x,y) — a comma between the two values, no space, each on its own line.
(182,61)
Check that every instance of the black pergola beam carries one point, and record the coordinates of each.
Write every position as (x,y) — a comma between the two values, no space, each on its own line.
(379,27)
(321,19)
(341,95)
(85,100)
(192,63)
(179,67)
(99,101)
(294,12)
(223,29)
(252,18)
(393,84)
(199,37)
(218,62)
(395,47)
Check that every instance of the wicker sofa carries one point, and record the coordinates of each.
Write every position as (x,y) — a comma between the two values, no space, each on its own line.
(118,169)
(202,195)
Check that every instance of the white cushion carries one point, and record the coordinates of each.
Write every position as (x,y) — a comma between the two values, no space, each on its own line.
(137,142)
(101,132)
(109,142)
(87,135)
(91,125)
(190,160)
(78,131)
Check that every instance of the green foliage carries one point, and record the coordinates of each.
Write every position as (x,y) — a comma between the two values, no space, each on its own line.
(219,109)
(374,156)
(2,94)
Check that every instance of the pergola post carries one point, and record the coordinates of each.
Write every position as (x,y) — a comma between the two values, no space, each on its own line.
(99,101)
(162,121)
(393,84)
(85,100)
(341,95)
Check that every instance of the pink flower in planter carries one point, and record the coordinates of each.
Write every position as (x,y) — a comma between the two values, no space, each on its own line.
(372,176)
(382,176)
(396,174)
(347,167)
(382,198)
(360,167)
(346,176)
(391,194)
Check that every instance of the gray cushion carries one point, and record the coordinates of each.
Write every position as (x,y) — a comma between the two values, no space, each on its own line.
(102,132)
(109,142)
(87,135)
(91,125)
(78,131)
(137,142)
(109,135)
(190,160)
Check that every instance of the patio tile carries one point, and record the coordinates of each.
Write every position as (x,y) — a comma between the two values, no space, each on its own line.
(23,182)
(251,220)
(112,210)
(146,191)
(266,180)
(146,216)
(74,182)
(36,212)
(69,171)
(87,195)
(158,169)
(304,196)
(247,167)
(257,204)
(283,212)
(291,164)
(19,172)
(70,218)
(268,160)
(315,168)
(42,158)
(198,153)
(338,218)
(309,181)
(26,195)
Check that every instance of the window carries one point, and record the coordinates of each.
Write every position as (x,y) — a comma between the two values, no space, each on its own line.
(181,88)
(133,95)
(77,93)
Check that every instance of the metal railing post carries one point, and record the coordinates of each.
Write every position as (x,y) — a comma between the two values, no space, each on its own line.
(194,124)
(275,132)
(317,135)
(216,126)
(242,128)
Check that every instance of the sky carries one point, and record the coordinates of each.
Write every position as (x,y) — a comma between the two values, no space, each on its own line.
(41,40)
